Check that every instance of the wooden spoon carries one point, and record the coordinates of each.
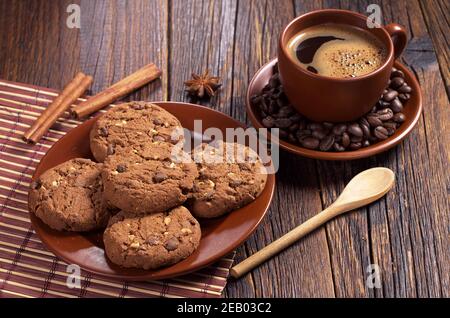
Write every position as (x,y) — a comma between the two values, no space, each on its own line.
(366,187)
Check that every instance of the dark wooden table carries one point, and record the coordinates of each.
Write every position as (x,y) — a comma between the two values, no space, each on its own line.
(406,233)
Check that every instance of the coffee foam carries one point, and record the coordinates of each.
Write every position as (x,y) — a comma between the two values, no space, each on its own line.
(358,54)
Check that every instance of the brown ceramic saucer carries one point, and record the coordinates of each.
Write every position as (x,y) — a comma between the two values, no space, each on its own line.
(412,111)
(219,236)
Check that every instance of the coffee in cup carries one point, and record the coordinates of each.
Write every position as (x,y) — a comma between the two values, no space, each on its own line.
(337,50)
(353,63)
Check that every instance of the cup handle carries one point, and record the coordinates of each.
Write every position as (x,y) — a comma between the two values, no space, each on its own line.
(398,36)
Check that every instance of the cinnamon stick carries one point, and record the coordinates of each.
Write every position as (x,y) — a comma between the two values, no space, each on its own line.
(71,92)
(123,87)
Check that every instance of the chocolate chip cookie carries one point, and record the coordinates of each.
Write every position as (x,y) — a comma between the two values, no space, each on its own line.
(69,197)
(230,176)
(131,124)
(153,240)
(147,179)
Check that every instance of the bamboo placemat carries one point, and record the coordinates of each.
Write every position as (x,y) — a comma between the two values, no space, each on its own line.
(27,269)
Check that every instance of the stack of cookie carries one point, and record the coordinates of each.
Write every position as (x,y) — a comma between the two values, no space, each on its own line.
(138,186)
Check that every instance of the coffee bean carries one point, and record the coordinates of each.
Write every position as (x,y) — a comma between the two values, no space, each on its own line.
(264,106)
(399,118)
(35,185)
(390,131)
(365,127)
(302,124)
(315,126)
(356,138)
(366,143)
(390,124)
(390,95)
(396,82)
(385,114)
(272,107)
(338,147)
(355,130)
(280,102)
(373,120)
(319,134)
(345,140)
(355,145)
(405,89)
(404,97)
(296,117)
(283,122)
(396,105)
(310,142)
(274,81)
(366,130)
(268,122)
(397,73)
(103,132)
(326,143)
(256,99)
(291,138)
(274,93)
(159,177)
(172,244)
(110,149)
(294,127)
(301,133)
(283,134)
(363,122)
(339,129)
(328,125)
(384,105)
(381,133)
(286,111)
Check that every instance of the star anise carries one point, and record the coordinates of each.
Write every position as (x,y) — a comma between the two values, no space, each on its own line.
(201,84)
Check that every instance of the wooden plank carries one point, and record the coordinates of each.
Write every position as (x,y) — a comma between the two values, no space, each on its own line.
(423,163)
(201,38)
(118,37)
(36,44)
(438,24)
(304,269)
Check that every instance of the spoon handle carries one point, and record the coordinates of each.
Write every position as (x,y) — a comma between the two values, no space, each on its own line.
(283,242)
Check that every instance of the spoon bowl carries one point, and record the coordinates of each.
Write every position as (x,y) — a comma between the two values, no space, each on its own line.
(364,188)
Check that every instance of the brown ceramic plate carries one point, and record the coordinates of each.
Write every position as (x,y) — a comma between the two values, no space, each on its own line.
(412,111)
(219,236)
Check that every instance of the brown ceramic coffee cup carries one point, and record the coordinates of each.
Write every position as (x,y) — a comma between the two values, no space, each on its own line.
(323,98)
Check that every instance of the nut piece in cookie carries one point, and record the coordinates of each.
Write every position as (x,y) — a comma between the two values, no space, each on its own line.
(69,197)
(133,123)
(230,176)
(151,241)
(143,179)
